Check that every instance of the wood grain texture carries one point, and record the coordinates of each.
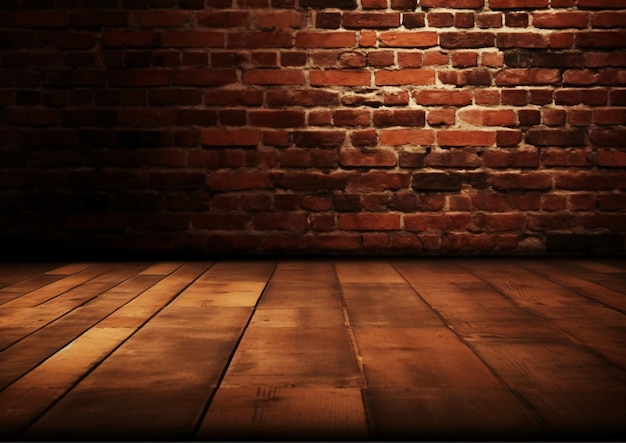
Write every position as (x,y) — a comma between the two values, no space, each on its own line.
(442,349)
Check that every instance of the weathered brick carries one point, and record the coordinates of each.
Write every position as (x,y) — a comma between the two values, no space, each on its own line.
(369,222)
(379,20)
(231,137)
(470,39)
(340,78)
(409,39)
(436,181)
(465,138)
(404,77)
(518,4)
(443,97)
(399,137)
(556,137)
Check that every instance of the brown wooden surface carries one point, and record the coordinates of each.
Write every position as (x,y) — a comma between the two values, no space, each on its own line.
(424,349)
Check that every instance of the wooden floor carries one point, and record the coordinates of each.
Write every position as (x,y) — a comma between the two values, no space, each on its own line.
(424,349)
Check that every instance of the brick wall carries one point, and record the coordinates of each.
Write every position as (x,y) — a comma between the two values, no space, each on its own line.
(313,126)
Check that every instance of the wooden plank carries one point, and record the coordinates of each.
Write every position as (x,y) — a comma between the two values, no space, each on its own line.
(387,305)
(69,269)
(18,323)
(450,414)
(600,266)
(288,357)
(23,401)
(137,311)
(294,374)
(599,327)
(284,413)
(472,307)
(367,271)
(420,358)
(162,268)
(563,275)
(524,287)
(54,289)
(301,294)
(27,353)
(156,385)
(614,281)
(13,317)
(22,287)
(574,391)
(13,273)
(297,272)
(228,284)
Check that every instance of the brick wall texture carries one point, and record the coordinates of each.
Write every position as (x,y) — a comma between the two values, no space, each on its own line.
(359,127)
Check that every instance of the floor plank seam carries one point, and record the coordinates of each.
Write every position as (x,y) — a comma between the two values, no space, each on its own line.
(207,406)
(523,401)
(577,341)
(104,358)
(369,421)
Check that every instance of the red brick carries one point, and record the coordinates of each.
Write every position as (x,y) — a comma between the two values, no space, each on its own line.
(562,19)
(223,19)
(441,117)
(237,181)
(517,4)
(611,159)
(375,159)
(608,136)
(336,39)
(522,40)
(302,97)
(603,4)
(399,137)
(404,77)
(453,158)
(566,158)
(514,76)
(280,221)
(378,181)
(279,19)
(365,137)
(311,138)
(274,77)
(465,138)
(369,222)
(609,19)
(524,181)
(380,20)
(193,39)
(159,18)
(468,39)
(275,39)
(399,117)
(459,241)
(340,78)
(461,4)
(488,117)
(231,137)
(437,222)
(380,59)
(443,97)
(409,39)
(351,117)
(600,39)
(609,116)
(204,77)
